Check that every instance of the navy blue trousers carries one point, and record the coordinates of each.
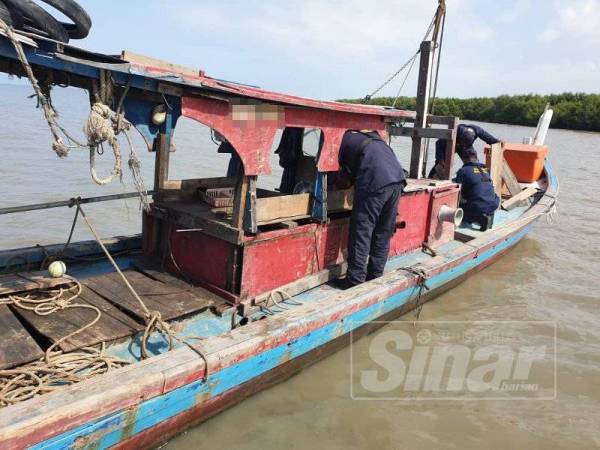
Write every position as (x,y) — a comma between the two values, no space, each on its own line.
(372,223)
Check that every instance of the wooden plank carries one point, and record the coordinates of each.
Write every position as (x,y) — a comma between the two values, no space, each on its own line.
(510,180)
(191,185)
(308,282)
(136,58)
(496,160)
(450,150)
(29,281)
(431,133)
(285,207)
(154,270)
(239,205)
(107,308)
(171,301)
(17,347)
(523,195)
(112,324)
(161,170)
(423,87)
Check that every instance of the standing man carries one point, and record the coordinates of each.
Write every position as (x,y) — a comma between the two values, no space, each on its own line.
(466,135)
(370,164)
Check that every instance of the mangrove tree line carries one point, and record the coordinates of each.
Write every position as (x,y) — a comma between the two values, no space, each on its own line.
(571,111)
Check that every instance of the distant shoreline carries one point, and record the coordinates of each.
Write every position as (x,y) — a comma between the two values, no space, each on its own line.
(572,111)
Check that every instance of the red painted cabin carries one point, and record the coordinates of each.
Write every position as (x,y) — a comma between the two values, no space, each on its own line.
(257,240)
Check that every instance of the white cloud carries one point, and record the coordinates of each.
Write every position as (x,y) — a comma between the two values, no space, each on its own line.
(576,18)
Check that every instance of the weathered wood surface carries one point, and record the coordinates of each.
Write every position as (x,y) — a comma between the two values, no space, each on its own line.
(113,324)
(171,301)
(17,347)
(153,269)
(285,207)
(496,162)
(523,195)
(29,281)
(143,60)
(510,180)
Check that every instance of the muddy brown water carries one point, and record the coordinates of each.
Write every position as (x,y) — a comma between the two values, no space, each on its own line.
(552,275)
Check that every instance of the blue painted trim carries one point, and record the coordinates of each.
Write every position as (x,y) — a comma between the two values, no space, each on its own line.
(156,410)
(319,204)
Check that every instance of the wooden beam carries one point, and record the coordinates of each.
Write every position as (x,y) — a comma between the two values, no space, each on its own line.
(523,195)
(510,180)
(142,60)
(29,281)
(450,147)
(423,88)
(250,221)
(282,208)
(306,283)
(161,165)
(432,133)
(239,203)
(496,160)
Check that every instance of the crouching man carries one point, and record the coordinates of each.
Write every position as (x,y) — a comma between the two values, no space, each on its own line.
(478,198)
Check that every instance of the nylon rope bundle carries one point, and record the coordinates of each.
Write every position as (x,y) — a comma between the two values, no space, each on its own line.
(102,125)
(56,368)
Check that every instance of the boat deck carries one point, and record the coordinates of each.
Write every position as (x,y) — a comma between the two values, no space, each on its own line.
(27,334)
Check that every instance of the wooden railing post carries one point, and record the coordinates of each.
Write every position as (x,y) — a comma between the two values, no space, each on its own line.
(450,149)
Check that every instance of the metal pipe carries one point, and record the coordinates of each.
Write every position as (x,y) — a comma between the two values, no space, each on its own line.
(70,203)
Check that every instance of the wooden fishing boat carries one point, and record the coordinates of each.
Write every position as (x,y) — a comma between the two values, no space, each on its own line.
(238,274)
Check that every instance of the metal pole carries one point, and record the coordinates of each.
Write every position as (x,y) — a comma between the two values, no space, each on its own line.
(69,203)
(418,150)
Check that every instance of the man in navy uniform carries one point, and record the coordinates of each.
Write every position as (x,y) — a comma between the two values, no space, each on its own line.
(478,198)
(466,135)
(371,166)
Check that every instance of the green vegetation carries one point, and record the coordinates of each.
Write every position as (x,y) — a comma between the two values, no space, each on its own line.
(571,111)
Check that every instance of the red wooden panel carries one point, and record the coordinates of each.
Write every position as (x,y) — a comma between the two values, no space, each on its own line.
(333,240)
(270,264)
(253,136)
(441,232)
(413,213)
(201,257)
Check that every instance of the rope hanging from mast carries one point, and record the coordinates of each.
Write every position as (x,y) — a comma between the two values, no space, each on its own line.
(103,125)
(435,30)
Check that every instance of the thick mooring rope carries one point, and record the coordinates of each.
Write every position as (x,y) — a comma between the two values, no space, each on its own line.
(50,113)
(56,368)
(102,126)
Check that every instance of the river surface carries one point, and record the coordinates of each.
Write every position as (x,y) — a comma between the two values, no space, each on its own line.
(552,275)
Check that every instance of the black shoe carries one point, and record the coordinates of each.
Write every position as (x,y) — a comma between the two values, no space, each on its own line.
(342,283)
(373,277)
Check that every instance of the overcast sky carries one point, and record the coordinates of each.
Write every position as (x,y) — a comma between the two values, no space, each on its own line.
(345,48)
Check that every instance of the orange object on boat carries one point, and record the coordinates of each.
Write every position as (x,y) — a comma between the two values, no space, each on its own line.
(526,161)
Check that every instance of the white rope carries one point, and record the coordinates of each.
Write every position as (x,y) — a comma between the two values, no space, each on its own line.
(102,126)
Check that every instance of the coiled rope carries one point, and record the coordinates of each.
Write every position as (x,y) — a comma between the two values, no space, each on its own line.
(56,368)
(103,125)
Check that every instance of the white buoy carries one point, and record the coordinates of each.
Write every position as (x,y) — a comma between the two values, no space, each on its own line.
(57,269)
